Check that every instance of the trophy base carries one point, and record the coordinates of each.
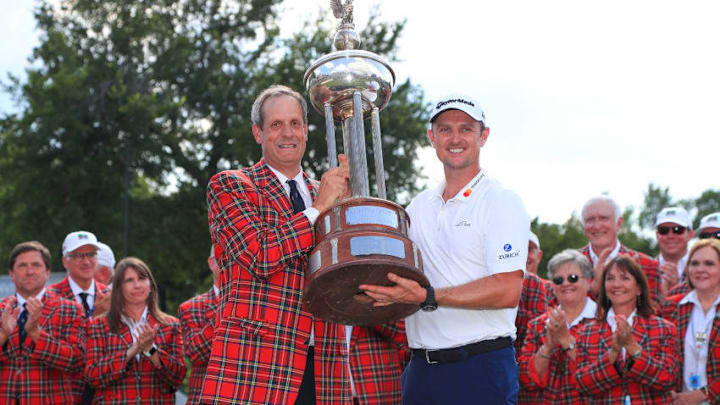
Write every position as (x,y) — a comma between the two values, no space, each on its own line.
(333,294)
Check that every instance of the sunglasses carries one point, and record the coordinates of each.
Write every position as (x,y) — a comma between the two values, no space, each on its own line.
(708,235)
(677,229)
(572,279)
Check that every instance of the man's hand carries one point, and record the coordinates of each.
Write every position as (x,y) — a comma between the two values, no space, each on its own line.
(669,275)
(34,307)
(102,303)
(405,291)
(598,271)
(8,319)
(333,185)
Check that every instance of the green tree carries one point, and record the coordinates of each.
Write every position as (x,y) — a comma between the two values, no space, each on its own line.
(707,203)
(132,106)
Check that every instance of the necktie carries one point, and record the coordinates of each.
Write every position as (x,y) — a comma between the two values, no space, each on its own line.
(297,201)
(22,320)
(86,307)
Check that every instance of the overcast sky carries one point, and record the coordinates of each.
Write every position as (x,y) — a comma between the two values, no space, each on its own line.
(582,97)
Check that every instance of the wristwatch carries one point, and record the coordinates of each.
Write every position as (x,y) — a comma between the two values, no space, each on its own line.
(152,351)
(429,304)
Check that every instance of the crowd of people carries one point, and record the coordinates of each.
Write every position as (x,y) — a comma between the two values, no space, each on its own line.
(608,326)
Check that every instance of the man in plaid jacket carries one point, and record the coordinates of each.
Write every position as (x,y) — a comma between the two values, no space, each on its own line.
(40,335)
(80,258)
(602,221)
(267,349)
(197,322)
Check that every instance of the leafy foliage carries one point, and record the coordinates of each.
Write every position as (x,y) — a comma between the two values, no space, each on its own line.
(133,105)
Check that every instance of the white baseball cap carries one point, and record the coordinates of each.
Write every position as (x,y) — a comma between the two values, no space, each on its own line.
(105,255)
(675,215)
(534,239)
(457,101)
(710,221)
(76,239)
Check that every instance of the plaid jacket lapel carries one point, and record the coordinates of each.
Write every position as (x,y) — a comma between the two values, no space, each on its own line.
(270,187)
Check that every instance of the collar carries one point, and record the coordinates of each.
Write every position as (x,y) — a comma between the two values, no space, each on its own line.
(283,179)
(216,290)
(132,323)
(611,319)
(692,298)
(76,289)
(588,312)
(466,191)
(611,256)
(21,301)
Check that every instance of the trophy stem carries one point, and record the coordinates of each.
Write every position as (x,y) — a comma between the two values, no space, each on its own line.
(377,153)
(330,132)
(355,130)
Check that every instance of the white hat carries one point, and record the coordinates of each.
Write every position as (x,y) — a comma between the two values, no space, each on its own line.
(76,239)
(710,221)
(534,239)
(105,255)
(460,102)
(676,215)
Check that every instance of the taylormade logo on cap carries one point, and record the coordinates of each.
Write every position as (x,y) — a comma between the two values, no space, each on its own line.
(461,102)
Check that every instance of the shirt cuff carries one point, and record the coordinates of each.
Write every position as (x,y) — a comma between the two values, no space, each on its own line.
(312,214)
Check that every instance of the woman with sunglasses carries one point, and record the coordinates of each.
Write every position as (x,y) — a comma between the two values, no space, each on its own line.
(134,352)
(694,315)
(547,359)
(626,355)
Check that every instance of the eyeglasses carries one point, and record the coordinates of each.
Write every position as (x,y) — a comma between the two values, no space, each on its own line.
(677,229)
(81,256)
(572,279)
(708,235)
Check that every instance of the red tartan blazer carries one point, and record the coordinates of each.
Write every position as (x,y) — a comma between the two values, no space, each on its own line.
(378,355)
(558,385)
(62,289)
(650,269)
(648,380)
(680,315)
(119,381)
(197,322)
(260,344)
(40,372)
(533,303)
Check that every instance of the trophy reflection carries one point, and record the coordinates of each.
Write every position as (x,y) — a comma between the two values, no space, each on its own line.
(360,239)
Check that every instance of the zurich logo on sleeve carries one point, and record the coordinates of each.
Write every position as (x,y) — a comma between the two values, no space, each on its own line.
(509,253)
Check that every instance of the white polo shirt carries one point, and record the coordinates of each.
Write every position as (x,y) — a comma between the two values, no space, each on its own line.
(480,232)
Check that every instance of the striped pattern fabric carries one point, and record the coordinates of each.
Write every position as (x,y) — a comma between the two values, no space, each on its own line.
(62,289)
(647,380)
(378,355)
(197,322)
(650,269)
(120,381)
(533,303)
(680,316)
(558,385)
(260,341)
(41,372)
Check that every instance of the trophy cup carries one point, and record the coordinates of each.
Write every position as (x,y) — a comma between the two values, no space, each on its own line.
(360,239)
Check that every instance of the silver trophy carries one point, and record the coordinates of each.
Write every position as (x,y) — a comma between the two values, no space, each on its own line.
(360,239)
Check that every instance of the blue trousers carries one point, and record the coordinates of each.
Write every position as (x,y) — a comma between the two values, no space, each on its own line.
(483,379)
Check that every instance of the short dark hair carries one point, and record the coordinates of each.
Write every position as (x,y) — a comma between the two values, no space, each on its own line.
(625,263)
(30,246)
